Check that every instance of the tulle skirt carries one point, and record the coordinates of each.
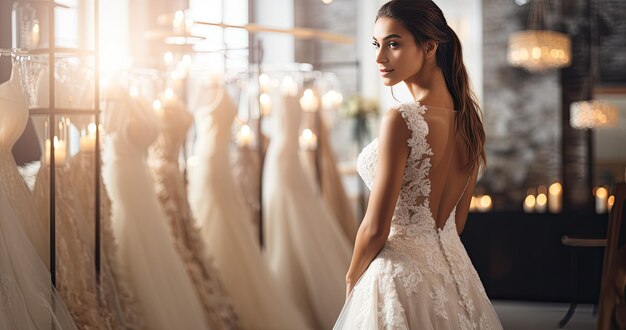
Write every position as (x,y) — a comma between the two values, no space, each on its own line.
(149,261)
(27,298)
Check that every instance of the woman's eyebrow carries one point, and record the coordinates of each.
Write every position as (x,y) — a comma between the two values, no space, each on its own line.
(389,37)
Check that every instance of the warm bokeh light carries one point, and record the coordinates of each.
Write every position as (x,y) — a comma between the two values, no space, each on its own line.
(266,104)
(169,93)
(156,105)
(308,140)
(332,99)
(539,50)
(529,204)
(91,128)
(264,82)
(601,192)
(289,86)
(244,136)
(555,188)
(484,203)
(309,101)
(473,204)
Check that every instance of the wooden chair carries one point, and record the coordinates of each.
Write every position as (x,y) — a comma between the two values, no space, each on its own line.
(611,304)
(610,245)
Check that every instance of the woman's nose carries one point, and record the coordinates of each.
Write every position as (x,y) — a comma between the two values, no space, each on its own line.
(381,57)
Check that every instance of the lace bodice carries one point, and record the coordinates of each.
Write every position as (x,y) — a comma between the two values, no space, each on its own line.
(413,206)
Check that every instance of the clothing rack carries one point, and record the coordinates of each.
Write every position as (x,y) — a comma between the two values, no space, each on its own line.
(52,52)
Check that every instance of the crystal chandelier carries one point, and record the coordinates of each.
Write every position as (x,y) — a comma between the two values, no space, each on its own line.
(537,49)
(592,114)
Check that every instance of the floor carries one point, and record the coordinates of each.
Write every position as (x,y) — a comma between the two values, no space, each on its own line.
(519,315)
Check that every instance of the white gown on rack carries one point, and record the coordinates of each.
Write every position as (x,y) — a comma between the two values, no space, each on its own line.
(306,248)
(149,261)
(75,262)
(108,304)
(217,205)
(331,185)
(117,302)
(27,298)
(172,193)
(423,277)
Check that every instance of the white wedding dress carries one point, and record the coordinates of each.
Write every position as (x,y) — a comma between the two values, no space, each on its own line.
(331,184)
(423,277)
(172,194)
(306,248)
(27,298)
(107,304)
(150,263)
(226,227)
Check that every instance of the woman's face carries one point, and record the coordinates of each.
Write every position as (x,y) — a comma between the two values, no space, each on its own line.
(397,55)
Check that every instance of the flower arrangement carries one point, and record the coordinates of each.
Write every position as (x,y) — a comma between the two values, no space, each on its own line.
(357,106)
(360,108)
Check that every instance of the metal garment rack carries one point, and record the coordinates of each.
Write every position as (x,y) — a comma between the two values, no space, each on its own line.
(52,112)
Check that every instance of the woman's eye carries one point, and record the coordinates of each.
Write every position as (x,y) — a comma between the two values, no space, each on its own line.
(393,44)
(376,45)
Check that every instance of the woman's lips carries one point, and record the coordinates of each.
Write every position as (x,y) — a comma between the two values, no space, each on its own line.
(385,72)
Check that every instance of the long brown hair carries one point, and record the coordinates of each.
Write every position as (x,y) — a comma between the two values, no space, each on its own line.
(425,20)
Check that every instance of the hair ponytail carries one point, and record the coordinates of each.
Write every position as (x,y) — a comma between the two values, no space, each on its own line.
(469,121)
(425,20)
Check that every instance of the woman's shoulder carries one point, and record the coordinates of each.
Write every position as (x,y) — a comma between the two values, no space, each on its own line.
(412,108)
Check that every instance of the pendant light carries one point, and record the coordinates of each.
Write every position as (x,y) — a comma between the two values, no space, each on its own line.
(537,49)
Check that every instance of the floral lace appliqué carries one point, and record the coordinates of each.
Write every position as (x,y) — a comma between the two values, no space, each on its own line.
(419,261)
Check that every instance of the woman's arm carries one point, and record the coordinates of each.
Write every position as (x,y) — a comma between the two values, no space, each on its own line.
(393,152)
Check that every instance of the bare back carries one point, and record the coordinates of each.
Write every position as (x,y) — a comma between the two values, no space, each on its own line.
(451,181)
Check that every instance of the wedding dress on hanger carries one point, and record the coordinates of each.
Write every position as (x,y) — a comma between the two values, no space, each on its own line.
(172,193)
(330,182)
(75,266)
(423,277)
(36,229)
(148,258)
(116,299)
(93,306)
(217,205)
(307,251)
(27,298)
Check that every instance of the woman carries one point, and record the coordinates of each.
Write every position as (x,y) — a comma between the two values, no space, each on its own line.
(409,269)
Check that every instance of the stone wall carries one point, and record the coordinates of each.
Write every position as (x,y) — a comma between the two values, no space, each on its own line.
(521,113)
